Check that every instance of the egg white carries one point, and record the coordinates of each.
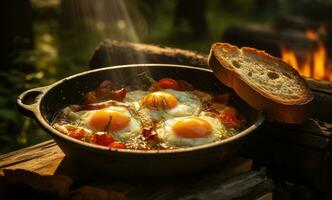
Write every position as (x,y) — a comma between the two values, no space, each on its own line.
(188,104)
(170,139)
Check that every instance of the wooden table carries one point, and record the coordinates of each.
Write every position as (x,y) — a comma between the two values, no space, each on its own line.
(236,180)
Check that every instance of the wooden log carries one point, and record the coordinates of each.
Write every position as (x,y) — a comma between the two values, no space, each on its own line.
(317,10)
(269,38)
(319,85)
(113,52)
(296,22)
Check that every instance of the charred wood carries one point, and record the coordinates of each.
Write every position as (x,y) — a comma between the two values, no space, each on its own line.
(268,38)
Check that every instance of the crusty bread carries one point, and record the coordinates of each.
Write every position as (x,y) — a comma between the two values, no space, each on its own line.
(263,81)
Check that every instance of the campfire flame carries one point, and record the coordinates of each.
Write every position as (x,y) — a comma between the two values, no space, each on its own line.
(315,64)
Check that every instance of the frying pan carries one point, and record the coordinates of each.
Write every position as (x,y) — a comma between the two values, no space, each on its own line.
(48,100)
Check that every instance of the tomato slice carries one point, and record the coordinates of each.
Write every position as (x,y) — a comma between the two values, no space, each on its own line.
(117,145)
(168,83)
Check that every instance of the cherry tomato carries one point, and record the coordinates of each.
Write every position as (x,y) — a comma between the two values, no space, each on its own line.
(119,94)
(117,145)
(168,83)
(103,139)
(229,119)
(104,89)
(77,133)
(184,85)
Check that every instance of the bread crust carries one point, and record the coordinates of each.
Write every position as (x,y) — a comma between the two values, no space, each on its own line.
(284,111)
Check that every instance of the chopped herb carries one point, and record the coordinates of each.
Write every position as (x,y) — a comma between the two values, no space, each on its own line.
(147,77)
(86,138)
(107,127)
(79,123)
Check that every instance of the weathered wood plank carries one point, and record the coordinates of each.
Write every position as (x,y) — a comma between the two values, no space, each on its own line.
(42,158)
(235,180)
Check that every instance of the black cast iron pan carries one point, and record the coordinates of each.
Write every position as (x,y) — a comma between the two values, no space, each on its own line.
(50,99)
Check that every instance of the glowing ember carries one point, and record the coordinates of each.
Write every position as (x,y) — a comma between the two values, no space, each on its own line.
(315,64)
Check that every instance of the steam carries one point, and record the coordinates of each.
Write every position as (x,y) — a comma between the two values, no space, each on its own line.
(114,19)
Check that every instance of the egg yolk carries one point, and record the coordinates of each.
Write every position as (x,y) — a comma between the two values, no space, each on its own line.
(109,119)
(192,127)
(159,100)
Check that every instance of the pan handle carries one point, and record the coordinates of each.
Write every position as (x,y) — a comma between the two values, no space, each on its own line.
(30,109)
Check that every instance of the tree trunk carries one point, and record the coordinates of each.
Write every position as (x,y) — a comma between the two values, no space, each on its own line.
(17,34)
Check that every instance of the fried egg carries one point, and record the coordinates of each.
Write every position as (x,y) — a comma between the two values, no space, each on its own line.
(190,131)
(165,104)
(119,121)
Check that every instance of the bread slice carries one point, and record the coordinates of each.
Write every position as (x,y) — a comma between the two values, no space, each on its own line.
(263,81)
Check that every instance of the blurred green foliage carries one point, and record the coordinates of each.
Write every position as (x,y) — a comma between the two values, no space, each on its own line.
(61,51)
